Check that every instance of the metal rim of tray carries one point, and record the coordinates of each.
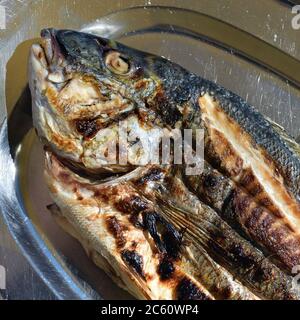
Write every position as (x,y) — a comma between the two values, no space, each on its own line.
(51,268)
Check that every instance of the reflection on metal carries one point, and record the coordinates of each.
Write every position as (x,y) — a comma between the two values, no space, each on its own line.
(191,23)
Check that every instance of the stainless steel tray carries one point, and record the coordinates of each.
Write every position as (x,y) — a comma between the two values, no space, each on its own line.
(254,66)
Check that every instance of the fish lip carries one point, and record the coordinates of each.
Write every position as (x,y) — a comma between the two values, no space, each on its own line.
(52,48)
(48,32)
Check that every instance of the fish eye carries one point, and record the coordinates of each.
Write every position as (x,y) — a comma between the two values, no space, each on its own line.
(116,63)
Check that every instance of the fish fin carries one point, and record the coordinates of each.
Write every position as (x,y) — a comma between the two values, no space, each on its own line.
(188,221)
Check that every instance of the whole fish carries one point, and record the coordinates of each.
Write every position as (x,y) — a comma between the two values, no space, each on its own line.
(84,88)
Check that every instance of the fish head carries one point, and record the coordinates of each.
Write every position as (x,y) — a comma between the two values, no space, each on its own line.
(117,69)
(106,70)
(82,84)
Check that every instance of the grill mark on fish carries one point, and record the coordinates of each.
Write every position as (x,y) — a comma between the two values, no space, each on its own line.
(136,220)
(266,184)
(169,240)
(221,154)
(172,240)
(217,279)
(205,228)
(187,290)
(241,211)
(117,230)
(88,128)
(228,158)
(149,223)
(265,228)
(279,146)
(134,261)
(252,185)
(131,205)
(167,110)
(166,268)
(212,275)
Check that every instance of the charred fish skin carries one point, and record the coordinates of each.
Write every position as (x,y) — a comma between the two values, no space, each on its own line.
(274,230)
(101,218)
(206,229)
(141,238)
(246,216)
(194,258)
(273,180)
(92,213)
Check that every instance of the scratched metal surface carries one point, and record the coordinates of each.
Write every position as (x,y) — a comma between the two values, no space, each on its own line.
(41,261)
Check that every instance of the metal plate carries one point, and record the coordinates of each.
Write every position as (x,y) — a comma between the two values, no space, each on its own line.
(177,34)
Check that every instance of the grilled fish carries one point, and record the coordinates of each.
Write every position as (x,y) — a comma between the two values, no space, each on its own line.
(243,213)
(126,234)
(230,232)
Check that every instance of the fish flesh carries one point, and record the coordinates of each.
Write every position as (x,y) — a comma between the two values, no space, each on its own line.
(230,231)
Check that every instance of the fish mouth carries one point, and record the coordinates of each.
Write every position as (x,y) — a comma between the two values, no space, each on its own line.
(49,44)
(79,102)
(52,48)
(47,62)
(74,47)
